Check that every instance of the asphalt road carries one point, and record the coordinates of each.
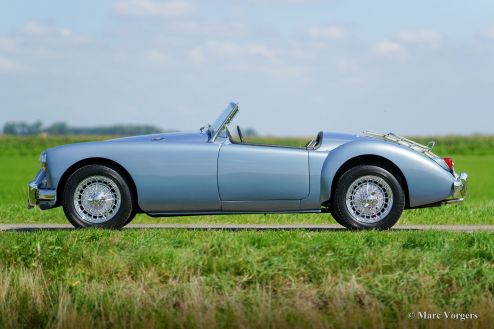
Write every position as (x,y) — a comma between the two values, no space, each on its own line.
(236,227)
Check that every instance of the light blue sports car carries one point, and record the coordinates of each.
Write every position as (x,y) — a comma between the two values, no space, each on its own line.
(364,181)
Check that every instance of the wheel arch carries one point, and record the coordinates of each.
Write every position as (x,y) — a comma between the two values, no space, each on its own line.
(99,161)
(375,160)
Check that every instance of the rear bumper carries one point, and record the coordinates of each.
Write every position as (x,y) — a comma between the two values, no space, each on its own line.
(458,192)
(460,185)
(459,189)
(42,197)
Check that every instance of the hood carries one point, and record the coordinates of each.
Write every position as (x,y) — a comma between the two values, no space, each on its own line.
(177,137)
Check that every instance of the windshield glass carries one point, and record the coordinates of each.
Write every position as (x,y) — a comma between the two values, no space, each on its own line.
(225,117)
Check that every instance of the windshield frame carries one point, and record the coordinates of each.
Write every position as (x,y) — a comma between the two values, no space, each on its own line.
(223,120)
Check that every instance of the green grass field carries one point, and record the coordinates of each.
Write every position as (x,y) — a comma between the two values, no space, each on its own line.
(152,278)
(246,279)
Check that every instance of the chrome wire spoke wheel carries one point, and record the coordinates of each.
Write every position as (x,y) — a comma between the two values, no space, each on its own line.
(369,199)
(97,199)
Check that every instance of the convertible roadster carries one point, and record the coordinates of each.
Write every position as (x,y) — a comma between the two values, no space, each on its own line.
(364,181)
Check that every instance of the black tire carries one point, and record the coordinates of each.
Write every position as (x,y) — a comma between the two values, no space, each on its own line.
(331,211)
(120,213)
(352,218)
(131,217)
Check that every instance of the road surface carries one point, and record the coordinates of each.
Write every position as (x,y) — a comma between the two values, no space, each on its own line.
(258,227)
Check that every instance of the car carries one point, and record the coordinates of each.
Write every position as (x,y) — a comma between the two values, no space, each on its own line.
(364,181)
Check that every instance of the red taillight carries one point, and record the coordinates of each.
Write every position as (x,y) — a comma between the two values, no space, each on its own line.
(449,163)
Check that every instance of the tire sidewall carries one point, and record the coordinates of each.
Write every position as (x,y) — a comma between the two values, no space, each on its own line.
(340,208)
(126,204)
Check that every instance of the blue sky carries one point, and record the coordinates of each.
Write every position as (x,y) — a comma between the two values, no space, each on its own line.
(295,66)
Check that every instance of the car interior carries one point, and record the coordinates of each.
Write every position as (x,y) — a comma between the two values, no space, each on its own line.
(238,138)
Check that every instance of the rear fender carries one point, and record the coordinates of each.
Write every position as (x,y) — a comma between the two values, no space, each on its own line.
(427,182)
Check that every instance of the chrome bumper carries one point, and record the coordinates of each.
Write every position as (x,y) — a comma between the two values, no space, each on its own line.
(460,186)
(459,189)
(36,196)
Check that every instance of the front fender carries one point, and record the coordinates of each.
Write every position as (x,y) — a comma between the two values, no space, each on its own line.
(61,158)
(427,181)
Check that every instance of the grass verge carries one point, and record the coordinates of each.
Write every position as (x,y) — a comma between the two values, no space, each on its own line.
(210,279)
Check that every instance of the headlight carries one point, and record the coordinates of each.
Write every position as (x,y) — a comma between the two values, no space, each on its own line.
(42,160)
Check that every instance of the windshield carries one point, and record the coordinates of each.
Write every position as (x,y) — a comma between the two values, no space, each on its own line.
(224,118)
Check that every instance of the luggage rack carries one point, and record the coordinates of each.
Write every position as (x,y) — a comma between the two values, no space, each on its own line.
(426,149)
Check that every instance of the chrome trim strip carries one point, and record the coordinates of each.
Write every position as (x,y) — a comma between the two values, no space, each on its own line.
(202,213)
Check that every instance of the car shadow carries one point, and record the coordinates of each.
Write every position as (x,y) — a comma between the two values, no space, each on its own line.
(206,228)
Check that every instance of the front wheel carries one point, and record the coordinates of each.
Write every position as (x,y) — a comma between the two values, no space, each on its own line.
(97,196)
(368,197)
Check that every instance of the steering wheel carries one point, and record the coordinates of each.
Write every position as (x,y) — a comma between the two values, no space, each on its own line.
(240,134)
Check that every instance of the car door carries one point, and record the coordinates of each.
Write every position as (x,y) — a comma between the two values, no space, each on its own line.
(175,177)
(262,173)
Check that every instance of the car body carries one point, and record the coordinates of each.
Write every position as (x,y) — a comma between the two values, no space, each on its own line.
(207,172)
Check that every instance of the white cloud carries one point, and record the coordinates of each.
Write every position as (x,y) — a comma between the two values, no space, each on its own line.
(64,32)
(226,29)
(429,38)
(229,49)
(388,48)
(196,55)
(156,57)
(39,29)
(289,2)
(8,44)
(333,32)
(317,45)
(490,33)
(153,8)
(346,66)
(34,28)
(8,65)
(292,72)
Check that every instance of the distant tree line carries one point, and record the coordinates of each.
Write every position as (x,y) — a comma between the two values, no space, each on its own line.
(62,128)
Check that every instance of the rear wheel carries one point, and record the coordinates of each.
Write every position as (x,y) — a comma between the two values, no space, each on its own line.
(131,217)
(97,196)
(368,197)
